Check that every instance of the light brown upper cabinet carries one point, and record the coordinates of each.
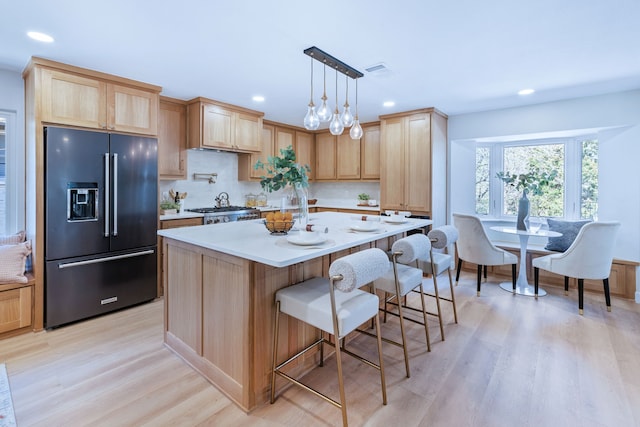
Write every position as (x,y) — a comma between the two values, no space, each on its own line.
(222,126)
(274,138)
(370,152)
(305,151)
(172,139)
(413,162)
(340,158)
(325,157)
(72,96)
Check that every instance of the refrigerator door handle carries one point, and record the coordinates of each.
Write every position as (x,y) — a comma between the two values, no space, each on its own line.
(107,193)
(115,194)
(104,259)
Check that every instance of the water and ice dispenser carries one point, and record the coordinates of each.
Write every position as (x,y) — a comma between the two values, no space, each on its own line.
(82,201)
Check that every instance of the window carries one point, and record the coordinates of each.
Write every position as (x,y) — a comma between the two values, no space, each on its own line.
(12,175)
(3,176)
(573,193)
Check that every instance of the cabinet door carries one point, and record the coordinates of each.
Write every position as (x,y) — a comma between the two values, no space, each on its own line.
(370,153)
(347,157)
(392,164)
(73,100)
(246,162)
(172,141)
(217,127)
(132,110)
(15,309)
(305,150)
(284,138)
(325,156)
(248,132)
(417,178)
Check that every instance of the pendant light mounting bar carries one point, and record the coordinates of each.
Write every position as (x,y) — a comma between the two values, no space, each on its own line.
(332,62)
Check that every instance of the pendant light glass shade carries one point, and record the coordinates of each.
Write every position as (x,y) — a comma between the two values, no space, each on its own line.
(347,117)
(336,126)
(311,120)
(356,129)
(324,113)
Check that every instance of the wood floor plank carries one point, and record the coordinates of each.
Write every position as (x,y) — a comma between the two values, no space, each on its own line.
(511,360)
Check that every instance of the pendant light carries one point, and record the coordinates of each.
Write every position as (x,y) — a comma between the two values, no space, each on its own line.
(337,121)
(356,129)
(324,113)
(336,127)
(311,120)
(347,117)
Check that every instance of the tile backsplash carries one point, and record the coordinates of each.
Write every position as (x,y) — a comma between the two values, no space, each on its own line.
(202,194)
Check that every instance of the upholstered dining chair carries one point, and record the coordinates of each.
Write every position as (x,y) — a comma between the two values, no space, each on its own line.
(404,277)
(439,262)
(589,257)
(474,246)
(336,306)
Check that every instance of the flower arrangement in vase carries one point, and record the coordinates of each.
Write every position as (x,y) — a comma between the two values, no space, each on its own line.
(533,182)
(283,171)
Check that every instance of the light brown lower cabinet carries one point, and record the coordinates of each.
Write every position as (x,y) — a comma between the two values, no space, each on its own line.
(16,308)
(165,224)
(219,316)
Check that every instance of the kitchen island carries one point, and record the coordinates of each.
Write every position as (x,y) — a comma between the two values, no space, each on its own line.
(220,281)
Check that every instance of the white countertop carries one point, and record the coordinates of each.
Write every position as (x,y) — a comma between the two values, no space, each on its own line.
(329,204)
(252,241)
(181,215)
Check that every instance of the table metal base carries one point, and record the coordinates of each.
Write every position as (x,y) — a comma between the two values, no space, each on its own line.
(522,289)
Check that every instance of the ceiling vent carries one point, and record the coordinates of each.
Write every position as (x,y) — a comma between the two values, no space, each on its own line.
(379,69)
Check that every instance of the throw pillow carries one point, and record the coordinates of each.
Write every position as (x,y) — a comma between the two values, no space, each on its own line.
(12,262)
(569,230)
(12,239)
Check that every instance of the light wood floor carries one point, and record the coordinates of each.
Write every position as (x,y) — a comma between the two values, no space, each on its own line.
(510,361)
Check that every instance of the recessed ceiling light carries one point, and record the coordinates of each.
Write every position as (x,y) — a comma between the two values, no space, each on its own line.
(526,92)
(258,98)
(41,37)
(389,103)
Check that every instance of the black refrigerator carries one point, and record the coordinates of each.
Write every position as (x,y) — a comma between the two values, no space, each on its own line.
(101,194)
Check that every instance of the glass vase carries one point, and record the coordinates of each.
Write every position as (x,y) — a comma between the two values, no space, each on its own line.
(303,205)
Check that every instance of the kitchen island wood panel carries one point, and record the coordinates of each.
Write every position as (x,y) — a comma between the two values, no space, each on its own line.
(225,276)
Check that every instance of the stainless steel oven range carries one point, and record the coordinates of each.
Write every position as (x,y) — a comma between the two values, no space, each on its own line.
(227,214)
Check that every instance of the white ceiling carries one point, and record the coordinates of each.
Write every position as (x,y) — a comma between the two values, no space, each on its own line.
(456,55)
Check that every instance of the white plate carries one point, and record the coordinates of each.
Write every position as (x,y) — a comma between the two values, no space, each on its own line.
(364,227)
(394,221)
(297,240)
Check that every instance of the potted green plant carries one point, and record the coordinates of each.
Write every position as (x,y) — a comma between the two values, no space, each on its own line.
(363,199)
(168,207)
(535,182)
(283,171)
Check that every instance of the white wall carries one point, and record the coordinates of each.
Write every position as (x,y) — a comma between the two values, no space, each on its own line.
(619,180)
(202,194)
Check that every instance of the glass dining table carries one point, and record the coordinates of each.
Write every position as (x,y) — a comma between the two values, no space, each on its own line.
(522,285)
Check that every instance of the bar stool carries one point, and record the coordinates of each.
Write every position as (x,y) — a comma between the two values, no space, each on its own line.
(437,263)
(316,302)
(403,279)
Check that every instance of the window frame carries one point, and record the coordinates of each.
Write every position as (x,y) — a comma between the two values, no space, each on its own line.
(572,173)
(15,175)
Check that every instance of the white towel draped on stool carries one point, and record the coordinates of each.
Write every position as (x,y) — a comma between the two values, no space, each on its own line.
(412,247)
(359,268)
(444,236)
